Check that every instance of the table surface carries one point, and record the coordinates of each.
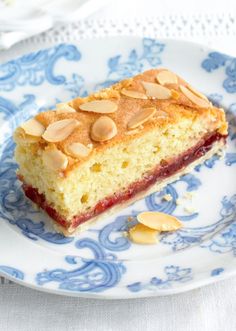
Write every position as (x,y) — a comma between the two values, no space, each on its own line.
(208,308)
(205,309)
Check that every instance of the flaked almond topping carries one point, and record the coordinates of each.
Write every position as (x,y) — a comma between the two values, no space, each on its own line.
(161,114)
(60,130)
(174,94)
(131,132)
(166,77)
(55,160)
(64,108)
(156,91)
(78,150)
(24,138)
(104,128)
(133,94)
(159,221)
(195,99)
(197,93)
(99,106)
(141,234)
(33,128)
(141,117)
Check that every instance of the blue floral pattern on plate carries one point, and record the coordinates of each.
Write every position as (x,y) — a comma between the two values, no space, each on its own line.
(222,242)
(13,272)
(173,274)
(36,68)
(217,60)
(103,261)
(100,273)
(135,63)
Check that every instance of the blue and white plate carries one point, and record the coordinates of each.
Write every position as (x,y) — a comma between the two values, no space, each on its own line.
(101,262)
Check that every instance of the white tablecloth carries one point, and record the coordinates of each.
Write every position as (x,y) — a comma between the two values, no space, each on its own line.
(210,308)
(205,309)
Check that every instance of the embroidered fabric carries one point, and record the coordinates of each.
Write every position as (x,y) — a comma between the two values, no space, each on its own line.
(162,27)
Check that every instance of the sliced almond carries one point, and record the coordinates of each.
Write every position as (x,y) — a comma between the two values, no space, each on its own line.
(55,160)
(156,91)
(131,132)
(104,128)
(197,93)
(141,117)
(166,77)
(141,234)
(161,114)
(168,197)
(174,94)
(60,130)
(33,128)
(159,221)
(99,106)
(190,209)
(133,94)
(23,138)
(195,99)
(64,108)
(78,150)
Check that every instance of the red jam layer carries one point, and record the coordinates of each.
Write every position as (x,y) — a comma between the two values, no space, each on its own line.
(164,170)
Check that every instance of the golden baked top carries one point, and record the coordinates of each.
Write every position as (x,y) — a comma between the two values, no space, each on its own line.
(77,129)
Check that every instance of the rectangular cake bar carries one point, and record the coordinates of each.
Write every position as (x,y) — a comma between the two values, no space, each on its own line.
(92,156)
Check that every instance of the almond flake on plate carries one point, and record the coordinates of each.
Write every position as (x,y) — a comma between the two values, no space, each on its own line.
(189,209)
(166,77)
(33,127)
(189,195)
(159,221)
(99,106)
(141,117)
(141,234)
(168,197)
(157,91)
(179,201)
(60,130)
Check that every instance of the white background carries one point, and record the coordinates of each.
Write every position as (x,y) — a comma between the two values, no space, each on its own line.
(209,308)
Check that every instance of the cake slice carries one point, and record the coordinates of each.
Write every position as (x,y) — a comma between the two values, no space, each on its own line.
(94,155)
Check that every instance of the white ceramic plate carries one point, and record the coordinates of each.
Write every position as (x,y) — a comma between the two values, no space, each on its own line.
(101,262)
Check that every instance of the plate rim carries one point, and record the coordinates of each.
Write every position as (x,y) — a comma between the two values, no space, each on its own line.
(128,295)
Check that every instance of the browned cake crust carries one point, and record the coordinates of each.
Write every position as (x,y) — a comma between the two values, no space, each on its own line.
(176,107)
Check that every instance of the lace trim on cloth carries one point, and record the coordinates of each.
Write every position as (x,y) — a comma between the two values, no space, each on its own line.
(5,281)
(162,26)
